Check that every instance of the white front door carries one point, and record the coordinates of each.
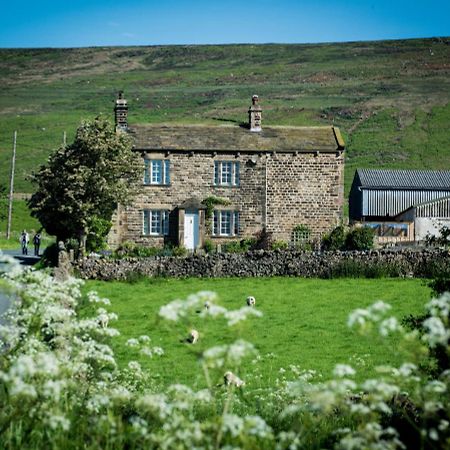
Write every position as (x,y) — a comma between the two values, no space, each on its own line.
(191,232)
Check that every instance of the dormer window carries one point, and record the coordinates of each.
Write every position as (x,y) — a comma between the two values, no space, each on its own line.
(157,171)
(226,173)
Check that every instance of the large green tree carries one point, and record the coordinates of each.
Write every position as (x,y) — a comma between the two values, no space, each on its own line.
(80,186)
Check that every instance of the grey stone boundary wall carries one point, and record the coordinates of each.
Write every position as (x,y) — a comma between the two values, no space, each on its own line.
(261,263)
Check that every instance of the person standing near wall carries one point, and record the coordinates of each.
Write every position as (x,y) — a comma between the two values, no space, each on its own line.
(24,239)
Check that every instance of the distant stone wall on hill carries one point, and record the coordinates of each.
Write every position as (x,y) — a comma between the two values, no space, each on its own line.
(403,263)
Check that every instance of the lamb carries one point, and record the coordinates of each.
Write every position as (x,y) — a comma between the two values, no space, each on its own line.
(207,304)
(230,379)
(251,301)
(193,337)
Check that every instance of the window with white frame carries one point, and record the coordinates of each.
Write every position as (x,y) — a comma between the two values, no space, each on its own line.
(226,173)
(157,171)
(225,223)
(155,222)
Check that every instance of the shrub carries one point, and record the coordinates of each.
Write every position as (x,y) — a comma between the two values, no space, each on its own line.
(440,285)
(232,247)
(179,250)
(350,268)
(50,256)
(442,241)
(360,238)
(279,245)
(335,240)
(208,246)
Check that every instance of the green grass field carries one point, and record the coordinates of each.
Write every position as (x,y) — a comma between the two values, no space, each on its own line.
(304,323)
(390,98)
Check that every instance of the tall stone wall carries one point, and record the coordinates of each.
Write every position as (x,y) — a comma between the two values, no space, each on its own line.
(261,263)
(306,189)
(282,190)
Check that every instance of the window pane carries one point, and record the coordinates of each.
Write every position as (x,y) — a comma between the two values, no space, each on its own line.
(226,172)
(216,172)
(215,223)
(146,222)
(235,223)
(166,171)
(155,222)
(165,223)
(146,171)
(225,223)
(156,171)
(236,174)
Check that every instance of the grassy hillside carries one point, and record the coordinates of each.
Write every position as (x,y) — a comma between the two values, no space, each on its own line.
(390,98)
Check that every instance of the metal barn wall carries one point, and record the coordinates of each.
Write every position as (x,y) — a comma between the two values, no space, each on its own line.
(381,202)
(439,208)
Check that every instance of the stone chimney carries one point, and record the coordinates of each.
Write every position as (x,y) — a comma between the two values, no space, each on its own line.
(121,112)
(254,115)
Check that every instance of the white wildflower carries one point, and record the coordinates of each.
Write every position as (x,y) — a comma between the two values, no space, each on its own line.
(158,351)
(56,421)
(389,325)
(132,342)
(358,317)
(343,370)
(238,315)
(436,332)
(144,339)
(407,369)
(359,408)
(146,351)
(436,386)
(434,435)
(256,426)
(232,424)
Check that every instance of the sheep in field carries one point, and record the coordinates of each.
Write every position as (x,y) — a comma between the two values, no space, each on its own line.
(103,320)
(207,305)
(251,301)
(230,379)
(193,337)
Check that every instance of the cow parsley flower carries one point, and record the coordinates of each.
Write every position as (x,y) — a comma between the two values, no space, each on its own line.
(343,370)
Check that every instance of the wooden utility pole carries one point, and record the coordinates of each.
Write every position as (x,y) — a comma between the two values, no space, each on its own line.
(65,139)
(11,186)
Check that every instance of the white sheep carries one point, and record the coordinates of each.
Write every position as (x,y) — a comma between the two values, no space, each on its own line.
(103,320)
(207,305)
(193,337)
(230,379)
(251,301)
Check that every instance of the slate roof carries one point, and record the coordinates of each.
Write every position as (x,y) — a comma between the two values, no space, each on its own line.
(204,138)
(404,179)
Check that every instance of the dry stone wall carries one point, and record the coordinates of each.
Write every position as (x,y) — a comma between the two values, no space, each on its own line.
(405,263)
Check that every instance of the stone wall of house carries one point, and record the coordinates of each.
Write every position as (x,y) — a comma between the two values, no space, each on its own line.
(306,189)
(301,188)
(405,263)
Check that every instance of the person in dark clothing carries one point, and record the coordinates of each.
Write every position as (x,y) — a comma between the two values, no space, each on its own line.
(24,239)
(37,243)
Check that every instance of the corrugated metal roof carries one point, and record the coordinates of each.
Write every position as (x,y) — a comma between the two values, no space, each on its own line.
(235,138)
(404,179)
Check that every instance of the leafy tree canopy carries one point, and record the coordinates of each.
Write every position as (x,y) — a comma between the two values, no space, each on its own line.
(82,183)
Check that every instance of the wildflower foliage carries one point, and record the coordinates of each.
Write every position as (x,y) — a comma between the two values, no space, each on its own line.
(60,385)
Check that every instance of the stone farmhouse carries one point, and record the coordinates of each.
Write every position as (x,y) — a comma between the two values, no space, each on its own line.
(246,178)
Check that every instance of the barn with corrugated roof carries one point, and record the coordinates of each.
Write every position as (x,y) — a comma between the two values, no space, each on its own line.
(390,199)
